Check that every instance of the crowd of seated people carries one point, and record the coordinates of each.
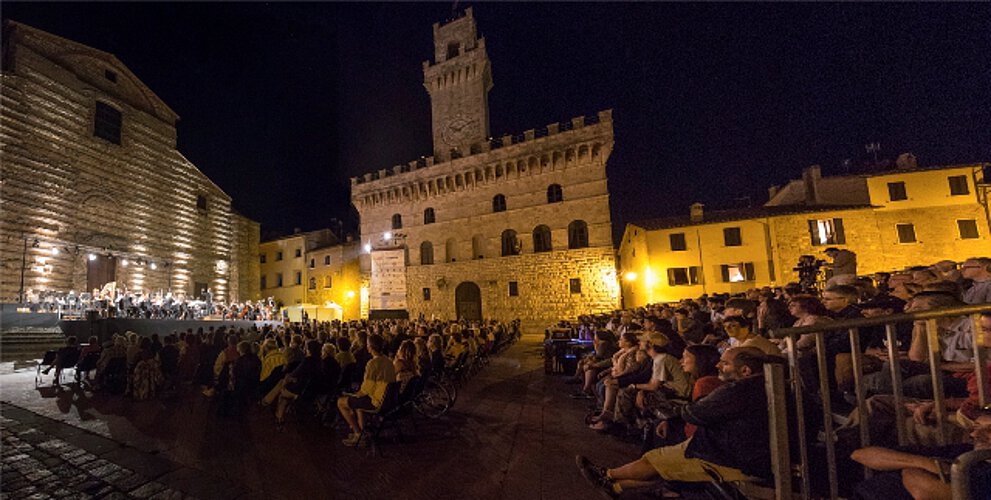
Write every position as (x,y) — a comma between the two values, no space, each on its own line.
(278,366)
(685,380)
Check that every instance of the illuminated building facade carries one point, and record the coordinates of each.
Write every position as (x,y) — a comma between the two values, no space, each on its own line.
(93,190)
(512,227)
(891,219)
(312,271)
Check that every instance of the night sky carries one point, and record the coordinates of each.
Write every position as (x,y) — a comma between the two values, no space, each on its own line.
(281,104)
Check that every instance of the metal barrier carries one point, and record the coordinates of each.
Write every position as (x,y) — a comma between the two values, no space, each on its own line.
(777,386)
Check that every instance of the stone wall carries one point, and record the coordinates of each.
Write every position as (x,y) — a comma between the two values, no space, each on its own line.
(79,194)
(543,282)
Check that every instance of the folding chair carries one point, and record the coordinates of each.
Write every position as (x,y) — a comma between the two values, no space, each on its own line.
(376,420)
(48,360)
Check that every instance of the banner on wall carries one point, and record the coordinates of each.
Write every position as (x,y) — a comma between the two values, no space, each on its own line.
(388,283)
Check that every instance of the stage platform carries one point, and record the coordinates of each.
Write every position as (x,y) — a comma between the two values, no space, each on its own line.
(13,322)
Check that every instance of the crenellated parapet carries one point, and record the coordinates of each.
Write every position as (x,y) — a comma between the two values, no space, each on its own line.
(581,141)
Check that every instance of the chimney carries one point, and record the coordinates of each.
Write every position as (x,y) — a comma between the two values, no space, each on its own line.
(906,161)
(696,212)
(811,177)
(296,230)
(772,192)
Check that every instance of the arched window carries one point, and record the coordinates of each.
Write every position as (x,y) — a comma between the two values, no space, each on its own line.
(577,234)
(428,216)
(510,245)
(326,260)
(313,284)
(542,239)
(426,253)
(554,193)
(478,247)
(451,250)
(499,203)
(397,221)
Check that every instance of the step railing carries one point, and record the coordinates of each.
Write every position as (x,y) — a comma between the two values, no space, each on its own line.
(778,387)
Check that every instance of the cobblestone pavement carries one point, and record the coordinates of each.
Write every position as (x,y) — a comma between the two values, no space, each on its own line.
(513,434)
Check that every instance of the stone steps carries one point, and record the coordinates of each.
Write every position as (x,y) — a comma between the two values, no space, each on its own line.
(16,346)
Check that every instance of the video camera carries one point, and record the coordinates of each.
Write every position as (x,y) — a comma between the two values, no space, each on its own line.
(808,269)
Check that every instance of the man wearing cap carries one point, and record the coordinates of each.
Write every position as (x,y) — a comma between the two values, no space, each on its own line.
(667,380)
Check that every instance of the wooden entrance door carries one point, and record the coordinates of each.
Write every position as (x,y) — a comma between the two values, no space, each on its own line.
(468,301)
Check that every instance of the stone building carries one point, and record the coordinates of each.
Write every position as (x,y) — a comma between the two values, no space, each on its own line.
(891,219)
(92,188)
(282,264)
(512,227)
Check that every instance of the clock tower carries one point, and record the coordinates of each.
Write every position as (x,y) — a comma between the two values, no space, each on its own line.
(458,82)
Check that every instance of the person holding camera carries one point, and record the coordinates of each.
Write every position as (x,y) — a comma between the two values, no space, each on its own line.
(844,266)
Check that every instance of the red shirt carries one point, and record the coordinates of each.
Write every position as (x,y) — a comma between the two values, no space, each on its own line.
(703,387)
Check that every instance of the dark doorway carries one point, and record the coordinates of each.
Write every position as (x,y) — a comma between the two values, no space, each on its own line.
(100,270)
(468,301)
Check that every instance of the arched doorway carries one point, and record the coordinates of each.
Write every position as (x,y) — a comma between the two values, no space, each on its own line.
(468,301)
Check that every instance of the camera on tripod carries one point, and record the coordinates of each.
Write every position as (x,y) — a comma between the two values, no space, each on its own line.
(808,269)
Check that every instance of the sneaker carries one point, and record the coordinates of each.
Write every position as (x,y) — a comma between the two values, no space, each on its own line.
(352,439)
(597,477)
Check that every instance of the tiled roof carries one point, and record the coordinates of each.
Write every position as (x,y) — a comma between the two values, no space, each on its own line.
(717,216)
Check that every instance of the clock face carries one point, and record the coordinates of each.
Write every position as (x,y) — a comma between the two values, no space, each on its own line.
(458,129)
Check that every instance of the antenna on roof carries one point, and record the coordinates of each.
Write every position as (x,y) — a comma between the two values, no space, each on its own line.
(873,147)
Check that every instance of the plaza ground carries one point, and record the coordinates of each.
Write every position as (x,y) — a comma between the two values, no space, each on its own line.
(512,434)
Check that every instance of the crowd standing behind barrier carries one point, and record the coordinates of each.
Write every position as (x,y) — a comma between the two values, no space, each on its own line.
(876,387)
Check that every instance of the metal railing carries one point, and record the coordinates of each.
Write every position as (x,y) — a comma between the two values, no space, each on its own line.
(778,387)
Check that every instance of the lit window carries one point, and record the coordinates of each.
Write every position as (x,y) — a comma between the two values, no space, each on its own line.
(736,273)
(968,229)
(958,185)
(906,233)
(732,237)
(107,123)
(827,232)
(896,191)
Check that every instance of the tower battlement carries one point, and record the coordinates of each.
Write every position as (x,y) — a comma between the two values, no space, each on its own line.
(371,180)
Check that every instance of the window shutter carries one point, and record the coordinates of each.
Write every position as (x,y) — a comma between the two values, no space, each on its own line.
(672,281)
(724,270)
(693,275)
(748,269)
(814,233)
(838,231)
